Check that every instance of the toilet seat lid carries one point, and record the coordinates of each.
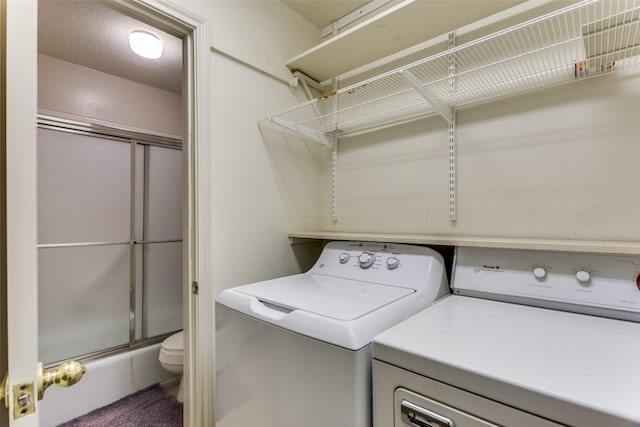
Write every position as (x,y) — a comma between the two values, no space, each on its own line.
(174,343)
(172,350)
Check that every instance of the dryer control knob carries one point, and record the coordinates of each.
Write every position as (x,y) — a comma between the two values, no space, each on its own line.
(540,272)
(392,262)
(366,259)
(583,276)
(343,257)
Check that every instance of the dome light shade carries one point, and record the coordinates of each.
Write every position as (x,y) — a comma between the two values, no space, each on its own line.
(145,44)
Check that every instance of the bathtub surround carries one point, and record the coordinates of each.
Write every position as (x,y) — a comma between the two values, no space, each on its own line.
(148,407)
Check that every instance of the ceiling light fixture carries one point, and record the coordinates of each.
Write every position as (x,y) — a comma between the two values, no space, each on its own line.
(145,44)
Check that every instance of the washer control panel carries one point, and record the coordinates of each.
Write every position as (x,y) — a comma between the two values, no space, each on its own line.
(394,264)
(366,259)
(599,284)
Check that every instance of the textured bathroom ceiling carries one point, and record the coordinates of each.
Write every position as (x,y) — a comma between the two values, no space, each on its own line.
(91,34)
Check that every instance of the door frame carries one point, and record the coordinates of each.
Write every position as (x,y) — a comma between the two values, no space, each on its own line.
(197,213)
(19,275)
(19,120)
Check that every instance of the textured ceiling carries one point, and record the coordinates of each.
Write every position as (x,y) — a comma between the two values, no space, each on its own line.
(91,34)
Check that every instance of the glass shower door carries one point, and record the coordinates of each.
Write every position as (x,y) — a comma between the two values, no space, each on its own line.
(109,242)
(84,244)
(162,244)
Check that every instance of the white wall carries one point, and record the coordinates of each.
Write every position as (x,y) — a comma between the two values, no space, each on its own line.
(263,34)
(556,164)
(263,186)
(258,184)
(81,91)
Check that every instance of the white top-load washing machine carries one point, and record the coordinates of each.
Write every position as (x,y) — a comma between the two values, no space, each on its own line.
(296,351)
(529,338)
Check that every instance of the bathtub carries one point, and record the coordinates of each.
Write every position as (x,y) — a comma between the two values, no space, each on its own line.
(106,380)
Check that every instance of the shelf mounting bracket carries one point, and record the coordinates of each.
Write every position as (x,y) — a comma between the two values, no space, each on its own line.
(315,135)
(443,109)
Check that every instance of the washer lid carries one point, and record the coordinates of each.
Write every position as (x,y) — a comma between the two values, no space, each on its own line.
(327,296)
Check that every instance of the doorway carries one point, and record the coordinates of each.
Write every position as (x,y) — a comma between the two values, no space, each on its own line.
(19,118)
(109,202)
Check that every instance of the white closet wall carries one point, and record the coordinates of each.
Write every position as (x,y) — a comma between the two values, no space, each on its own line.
(261,189)
(560,164)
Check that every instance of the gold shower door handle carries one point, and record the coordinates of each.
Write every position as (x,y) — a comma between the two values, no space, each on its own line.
(65,375)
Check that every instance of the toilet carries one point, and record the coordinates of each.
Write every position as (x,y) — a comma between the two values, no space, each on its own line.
(172,357)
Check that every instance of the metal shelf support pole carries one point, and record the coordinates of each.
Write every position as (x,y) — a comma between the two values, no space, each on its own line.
(452,131)
(334,181)
(334,154)
(452,167)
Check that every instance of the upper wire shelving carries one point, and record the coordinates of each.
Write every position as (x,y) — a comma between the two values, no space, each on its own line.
(587,39)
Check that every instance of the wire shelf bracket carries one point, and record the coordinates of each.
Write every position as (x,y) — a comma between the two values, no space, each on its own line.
(442,109)
(315,135)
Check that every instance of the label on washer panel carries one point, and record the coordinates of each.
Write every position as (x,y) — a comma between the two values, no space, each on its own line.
(589,280)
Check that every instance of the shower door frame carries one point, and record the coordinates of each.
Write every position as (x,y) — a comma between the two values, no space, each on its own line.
(52,121)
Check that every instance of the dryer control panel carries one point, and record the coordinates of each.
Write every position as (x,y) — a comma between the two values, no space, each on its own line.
(599,284)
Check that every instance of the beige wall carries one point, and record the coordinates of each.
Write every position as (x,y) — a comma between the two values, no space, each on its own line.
(559,164)
(263,34)
(261,185)
(81,91)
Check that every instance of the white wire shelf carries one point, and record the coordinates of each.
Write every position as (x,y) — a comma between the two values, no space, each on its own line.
(587,39)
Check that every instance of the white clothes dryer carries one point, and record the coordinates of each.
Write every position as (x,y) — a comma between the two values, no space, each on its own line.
(296,351)
(529,339)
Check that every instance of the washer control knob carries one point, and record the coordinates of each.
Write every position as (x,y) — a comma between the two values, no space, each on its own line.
(540,272)
(343,257)
(366,259)
(638,282)
(392,262)
(583,276)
